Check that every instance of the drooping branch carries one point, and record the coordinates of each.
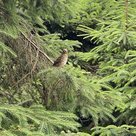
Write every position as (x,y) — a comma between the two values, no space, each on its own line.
(35,46)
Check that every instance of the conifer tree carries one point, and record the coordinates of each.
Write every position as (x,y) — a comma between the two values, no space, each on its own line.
(99,85)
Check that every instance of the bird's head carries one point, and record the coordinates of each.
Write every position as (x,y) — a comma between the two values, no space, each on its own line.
(65,51)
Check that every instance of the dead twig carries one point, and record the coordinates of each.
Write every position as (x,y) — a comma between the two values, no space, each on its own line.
(34,45)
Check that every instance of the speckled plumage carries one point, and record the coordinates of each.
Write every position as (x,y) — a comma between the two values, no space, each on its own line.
(62,59)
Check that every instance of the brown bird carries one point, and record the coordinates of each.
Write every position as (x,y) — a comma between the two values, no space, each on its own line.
(62,59)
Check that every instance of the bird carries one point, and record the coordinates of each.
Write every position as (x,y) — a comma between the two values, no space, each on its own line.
(62,59)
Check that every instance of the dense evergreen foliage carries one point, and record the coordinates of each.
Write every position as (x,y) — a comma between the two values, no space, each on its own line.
(94,94)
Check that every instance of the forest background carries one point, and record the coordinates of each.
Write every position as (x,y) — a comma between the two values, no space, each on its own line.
(94,94)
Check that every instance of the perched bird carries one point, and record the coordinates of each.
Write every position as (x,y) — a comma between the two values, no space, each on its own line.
(62,59)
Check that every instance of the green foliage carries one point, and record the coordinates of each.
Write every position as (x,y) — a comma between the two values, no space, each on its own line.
(74,134)
(112,130)
(58,89)
(73,86)
(115,53)
(89,90)
(27,47)
(16,120)
(4,48)
(9,18)
(53,45)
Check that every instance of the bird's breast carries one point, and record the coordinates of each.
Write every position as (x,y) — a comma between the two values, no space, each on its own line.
(64,59)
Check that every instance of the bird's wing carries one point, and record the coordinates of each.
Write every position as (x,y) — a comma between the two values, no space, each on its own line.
(57,61)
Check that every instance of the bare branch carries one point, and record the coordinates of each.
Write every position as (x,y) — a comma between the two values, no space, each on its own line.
(34,45)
